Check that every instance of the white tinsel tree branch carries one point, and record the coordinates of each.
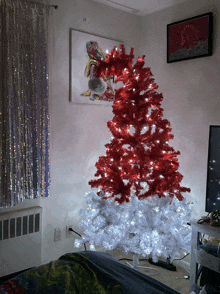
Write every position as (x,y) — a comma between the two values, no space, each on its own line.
(156,226)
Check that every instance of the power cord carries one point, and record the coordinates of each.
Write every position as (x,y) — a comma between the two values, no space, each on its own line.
(70,229)
(147,259)
(185,277)
(182,257)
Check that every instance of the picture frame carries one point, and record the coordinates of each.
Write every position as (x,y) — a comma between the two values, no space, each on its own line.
(190,38)
(84,48)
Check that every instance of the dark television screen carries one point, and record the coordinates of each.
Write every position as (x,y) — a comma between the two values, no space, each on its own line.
(213,170)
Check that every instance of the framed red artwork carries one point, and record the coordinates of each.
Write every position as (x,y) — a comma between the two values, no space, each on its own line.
(190,38)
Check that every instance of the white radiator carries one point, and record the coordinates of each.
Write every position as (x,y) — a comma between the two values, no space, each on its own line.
(20,239)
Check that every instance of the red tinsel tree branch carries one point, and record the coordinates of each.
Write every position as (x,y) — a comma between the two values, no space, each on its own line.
(138,157)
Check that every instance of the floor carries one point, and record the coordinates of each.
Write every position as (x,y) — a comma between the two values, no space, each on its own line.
(173,279)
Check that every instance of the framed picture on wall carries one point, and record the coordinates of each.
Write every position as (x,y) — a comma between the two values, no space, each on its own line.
(190,38)
(85,50)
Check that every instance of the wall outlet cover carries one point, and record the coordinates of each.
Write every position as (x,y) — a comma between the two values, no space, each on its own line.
(57,234)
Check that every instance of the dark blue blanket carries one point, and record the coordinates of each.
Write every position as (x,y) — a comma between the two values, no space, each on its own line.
(86,272)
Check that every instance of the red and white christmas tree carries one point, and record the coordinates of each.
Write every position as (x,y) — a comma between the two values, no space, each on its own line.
(139,192)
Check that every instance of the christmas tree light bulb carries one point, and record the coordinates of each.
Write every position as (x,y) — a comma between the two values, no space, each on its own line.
(92,247)
(77,243)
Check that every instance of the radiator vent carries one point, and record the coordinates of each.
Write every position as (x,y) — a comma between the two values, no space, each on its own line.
(20,239)
(19,226)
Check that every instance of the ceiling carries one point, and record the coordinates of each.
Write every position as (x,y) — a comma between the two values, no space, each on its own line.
(140,7)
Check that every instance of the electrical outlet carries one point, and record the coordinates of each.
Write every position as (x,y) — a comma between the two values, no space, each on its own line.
(57,234)
(69,234)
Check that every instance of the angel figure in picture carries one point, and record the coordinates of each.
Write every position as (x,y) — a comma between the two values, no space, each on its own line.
(99,88)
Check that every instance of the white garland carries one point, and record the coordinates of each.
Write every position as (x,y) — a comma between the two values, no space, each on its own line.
(156,226)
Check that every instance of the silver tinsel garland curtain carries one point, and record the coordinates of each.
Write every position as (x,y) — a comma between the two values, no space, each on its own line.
(24,116)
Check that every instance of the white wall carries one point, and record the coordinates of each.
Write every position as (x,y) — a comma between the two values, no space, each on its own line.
(78,132)
(190,90)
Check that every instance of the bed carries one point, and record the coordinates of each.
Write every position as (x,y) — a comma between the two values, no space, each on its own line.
(86,272)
